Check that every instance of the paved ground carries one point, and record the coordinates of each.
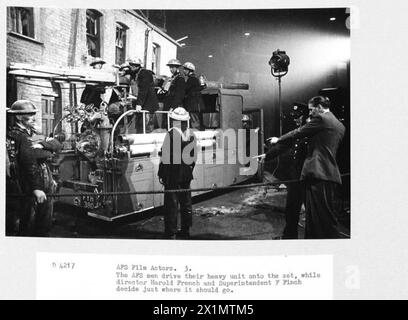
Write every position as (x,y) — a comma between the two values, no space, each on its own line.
(244,214)
(241,214)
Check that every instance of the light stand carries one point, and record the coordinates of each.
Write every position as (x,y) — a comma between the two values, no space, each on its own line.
(279,67)
(279,78)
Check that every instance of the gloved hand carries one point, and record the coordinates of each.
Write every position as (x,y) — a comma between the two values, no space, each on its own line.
(273,140)
(50,144)
(260,157)
(138,108)
(40,196)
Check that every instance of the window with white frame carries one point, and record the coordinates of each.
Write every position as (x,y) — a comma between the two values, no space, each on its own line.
(93,34)
(120,43)
(22,21)
(156,58)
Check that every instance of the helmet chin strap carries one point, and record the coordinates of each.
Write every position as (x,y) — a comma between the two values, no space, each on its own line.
(26,126)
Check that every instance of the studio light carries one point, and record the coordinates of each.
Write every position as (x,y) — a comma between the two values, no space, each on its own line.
(279,62)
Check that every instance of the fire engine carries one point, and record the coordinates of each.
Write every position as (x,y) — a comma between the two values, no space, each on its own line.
(111,156)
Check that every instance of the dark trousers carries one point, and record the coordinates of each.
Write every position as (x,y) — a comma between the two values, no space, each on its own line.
(196,120)
(175,202)
(294,200)
(36,220)
(13,211)
(321,220)
(150,122)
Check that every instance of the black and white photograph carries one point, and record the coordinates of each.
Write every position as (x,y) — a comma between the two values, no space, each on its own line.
(217,152)
(178,124)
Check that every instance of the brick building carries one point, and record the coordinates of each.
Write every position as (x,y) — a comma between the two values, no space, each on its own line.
(66,41)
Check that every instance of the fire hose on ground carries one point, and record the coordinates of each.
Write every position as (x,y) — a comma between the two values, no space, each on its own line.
(215,188)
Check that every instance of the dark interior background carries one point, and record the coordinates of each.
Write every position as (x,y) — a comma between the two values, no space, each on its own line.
(319,50)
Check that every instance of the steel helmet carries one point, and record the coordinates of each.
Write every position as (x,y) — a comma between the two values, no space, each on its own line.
(174,62)
(134,61)
(23,107)
(124,66)
(245,118)
(189,66)
(180,114)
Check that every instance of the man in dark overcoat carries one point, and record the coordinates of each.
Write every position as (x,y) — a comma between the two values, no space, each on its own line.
(178,157)
(193,100)
(320,171)
(30,175)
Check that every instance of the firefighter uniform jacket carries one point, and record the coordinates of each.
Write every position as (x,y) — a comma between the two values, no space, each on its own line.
(28,165)
(92,95)
(175,168)
(175,95)
(193,101)
(23,165)
(292,155)
(146,94)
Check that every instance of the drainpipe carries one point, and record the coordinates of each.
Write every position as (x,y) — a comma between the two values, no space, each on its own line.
(71,61)
(146,45)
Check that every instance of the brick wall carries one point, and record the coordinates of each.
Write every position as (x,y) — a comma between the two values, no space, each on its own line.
(60,41)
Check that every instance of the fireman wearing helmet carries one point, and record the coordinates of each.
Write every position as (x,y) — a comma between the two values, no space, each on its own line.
(178,157)
(193,101)
(292,155)
(29,173)
(144,90)
(174,89)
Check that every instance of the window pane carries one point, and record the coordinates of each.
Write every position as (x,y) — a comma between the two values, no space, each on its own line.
(92,32)
(44,108)
(23,21)
(120,44)
(91,46)
(25,16)
(88,25)
(156,58)
(120,56)
(44,128)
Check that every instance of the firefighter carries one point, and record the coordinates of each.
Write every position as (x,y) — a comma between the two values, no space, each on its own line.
(193,100)
(92,93)
(178,157)
(145,92)
(30,175)
(174,89)
(291,157)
